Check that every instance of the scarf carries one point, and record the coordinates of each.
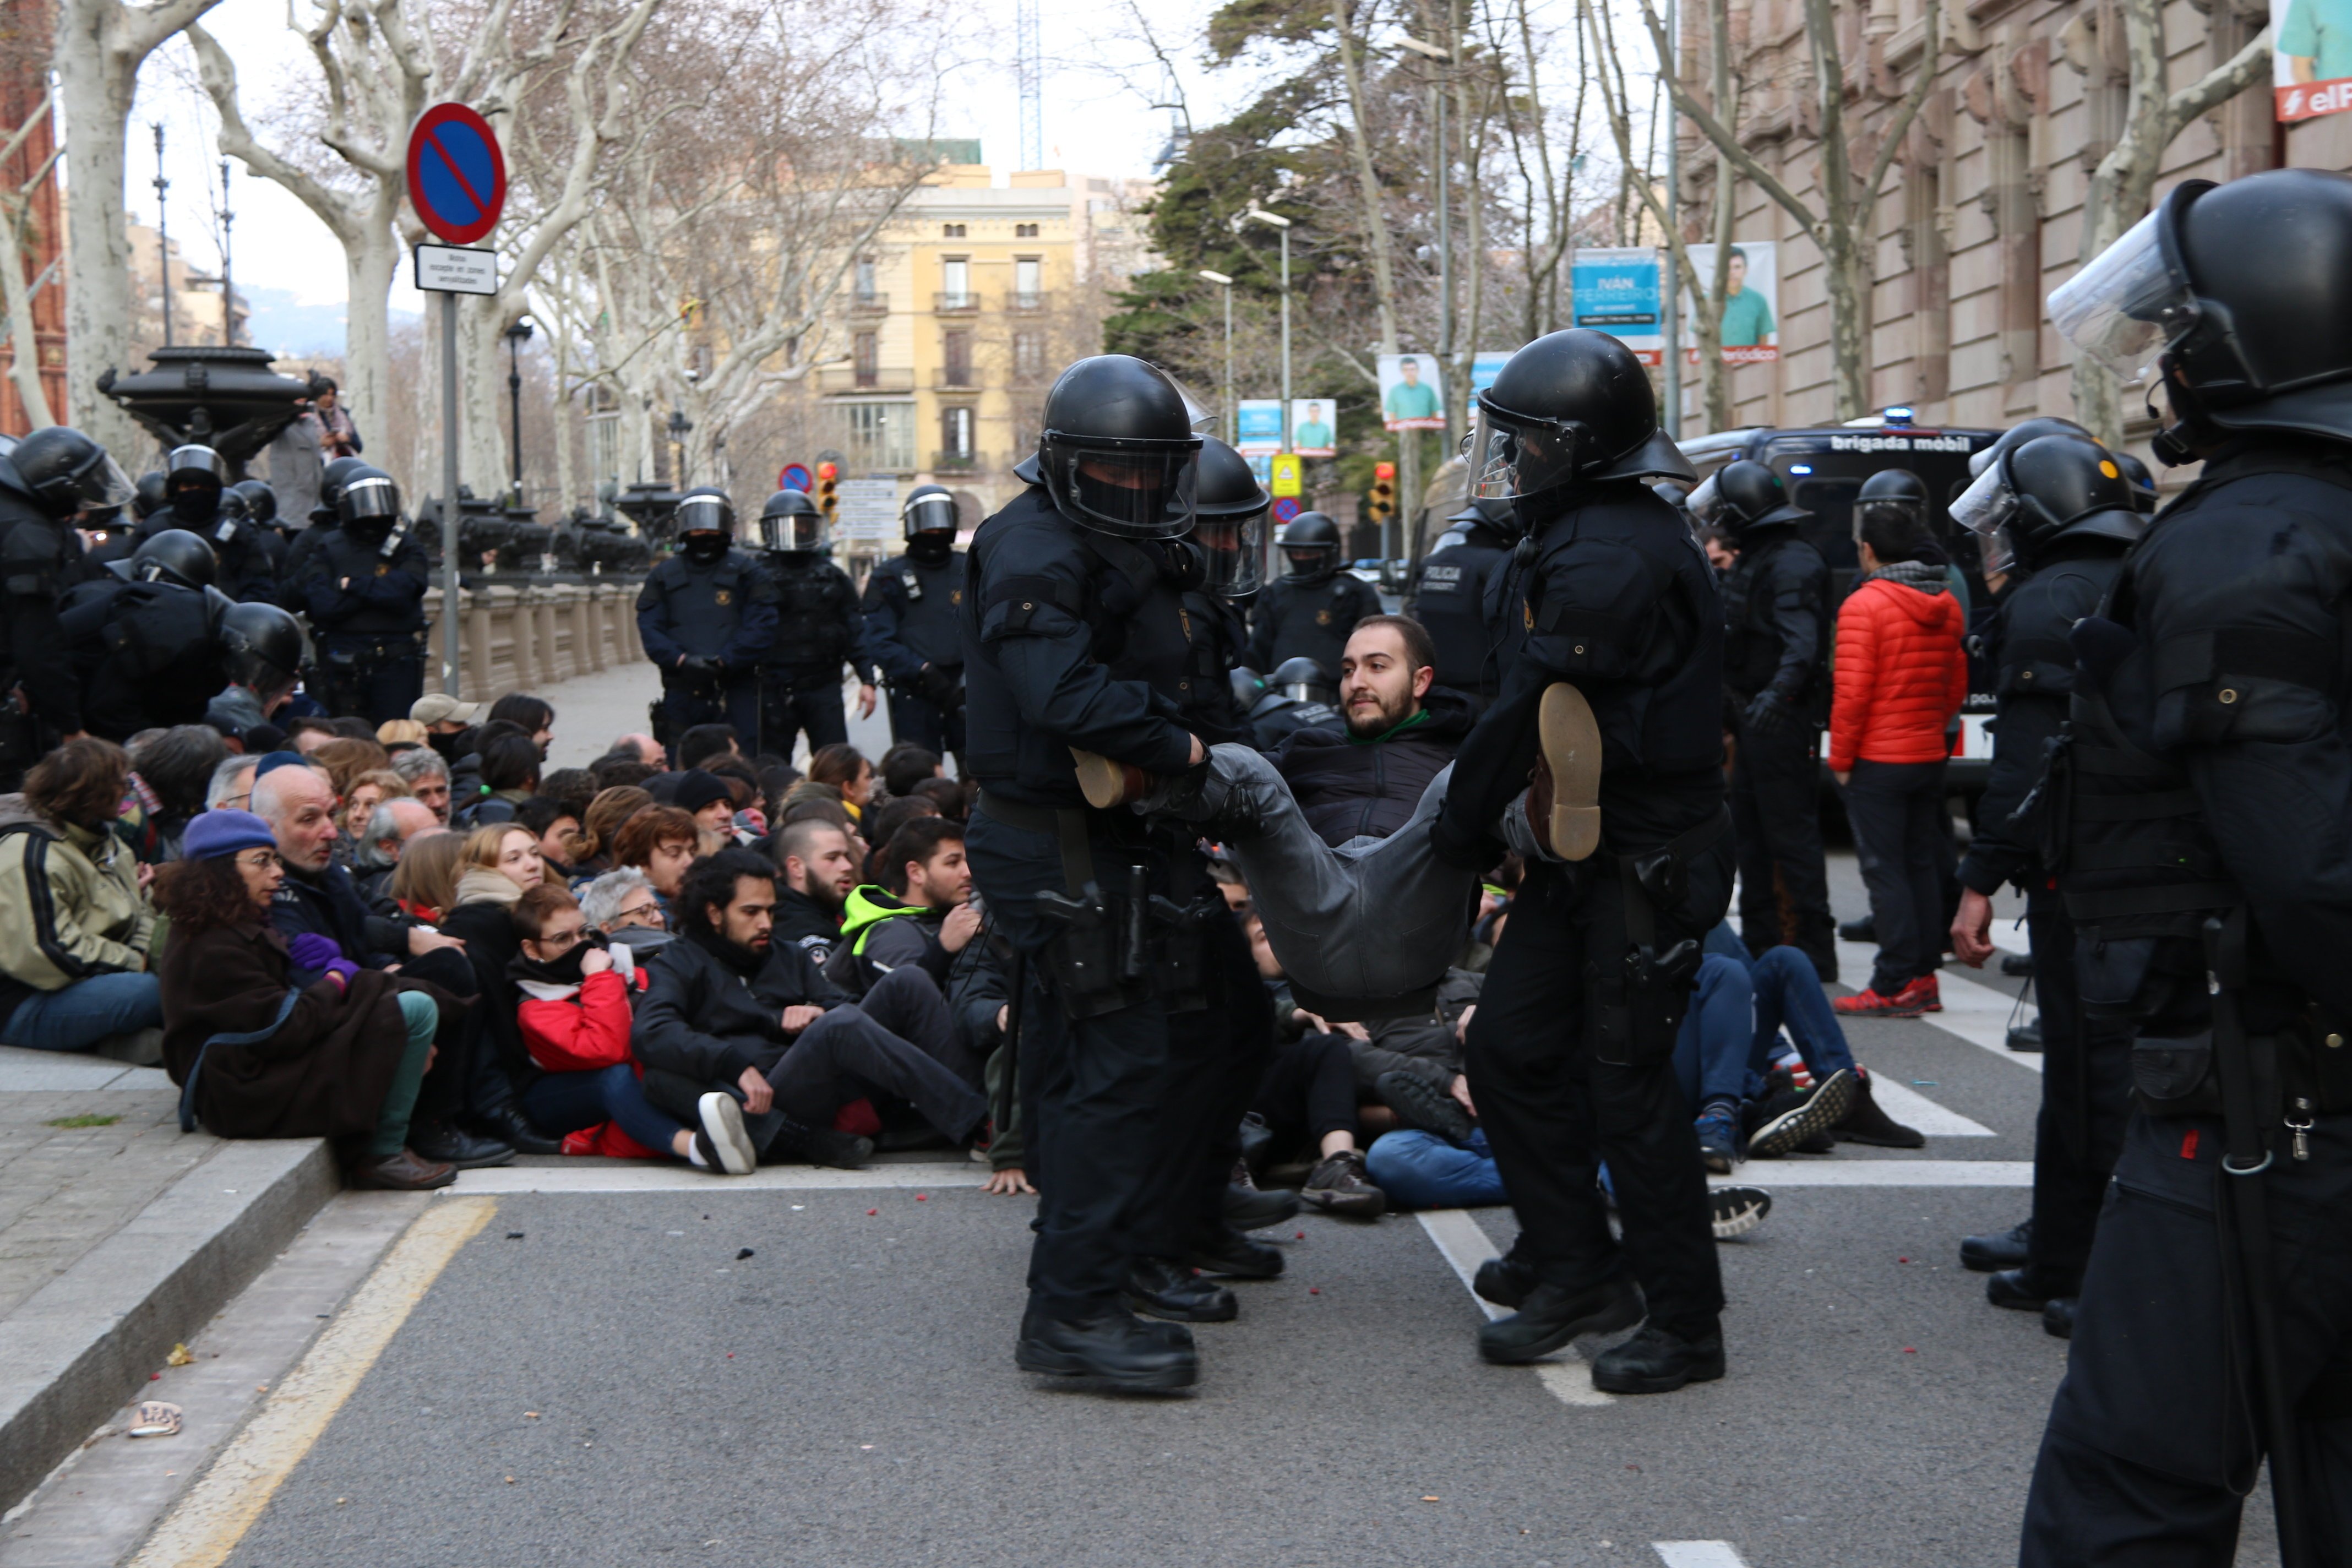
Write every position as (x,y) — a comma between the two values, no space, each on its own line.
(478,886)
(1927,576)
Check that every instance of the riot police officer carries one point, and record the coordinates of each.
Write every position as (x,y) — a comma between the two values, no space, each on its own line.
(1617,691)
(1449,597)
(146,644)
(1776,670)
(365,590)
(1074,646)
(2208,810)
(817,631)
(50,477)
(194,479)
(913,616)
(1309,611)
(707,617)
(1223,553)
(294,566)
(260,508)
(1299,696)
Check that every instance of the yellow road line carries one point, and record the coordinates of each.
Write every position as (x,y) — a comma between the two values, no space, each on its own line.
(221,1507)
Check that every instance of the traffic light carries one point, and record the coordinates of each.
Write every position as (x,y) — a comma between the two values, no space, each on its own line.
(1384,501)
(826,501)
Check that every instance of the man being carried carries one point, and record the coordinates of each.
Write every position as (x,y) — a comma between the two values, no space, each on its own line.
(1401,731)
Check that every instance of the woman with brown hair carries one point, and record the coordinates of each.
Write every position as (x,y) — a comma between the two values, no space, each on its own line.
(600,822)
(341,1058)
(499,863)
(361,794)
(845,768)
(425,881)
(660,841)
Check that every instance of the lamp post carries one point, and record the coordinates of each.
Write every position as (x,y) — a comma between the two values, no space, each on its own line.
(1259,215)
(163,234)
(228,288)
(1670,286)
(680,425)
(517,335)
(1233,414)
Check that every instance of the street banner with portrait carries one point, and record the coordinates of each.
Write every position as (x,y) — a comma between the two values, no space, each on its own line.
(1259,424)
(2311,59)
(1751,307)
(1314,426)
(1615,290)
(1413,392)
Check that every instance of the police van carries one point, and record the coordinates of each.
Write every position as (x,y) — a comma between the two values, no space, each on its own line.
(1825,467)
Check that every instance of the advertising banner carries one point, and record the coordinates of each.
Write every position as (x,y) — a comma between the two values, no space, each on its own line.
(1412,392)
(1615,291)
(1751,308)
(2311,65)
(1260,424)
(1484,369)
(1314,427)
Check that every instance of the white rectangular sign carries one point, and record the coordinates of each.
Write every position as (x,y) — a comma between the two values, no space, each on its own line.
(867,512)
(456,269)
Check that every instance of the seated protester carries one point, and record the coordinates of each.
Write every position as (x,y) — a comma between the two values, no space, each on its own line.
(699,744)
(845,768)
(398,735)
(175,769)
(643,749)
(509,777)
(571,788)
(658,840)
(1308,1098)
(534,716)
(346,759)
(884,822)
(742,782)
(76,928)
(816,870)
(428,779)
(1781,1115)
(621,906)
(1401,731)
(906,765)
(701,1027)
(1401,1062)
(388,829)
(423,885)
(705,798)
(921,917)
(950,798)
(499,863)
(557,827)
(362,793)
(601,823)
(613,773)
(259,1054)
(573,1018)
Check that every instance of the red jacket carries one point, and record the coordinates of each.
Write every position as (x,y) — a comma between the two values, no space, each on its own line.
(577,1030)
(1901,675)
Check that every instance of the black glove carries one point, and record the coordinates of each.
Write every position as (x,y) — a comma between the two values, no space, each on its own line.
(694,666)
(1769,714)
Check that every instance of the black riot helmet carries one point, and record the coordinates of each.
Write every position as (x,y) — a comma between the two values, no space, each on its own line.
(791,524)
(1893,494)
(2143,483)
(1571,406)
(64,472)
(194,477)
(706,524)
(174,556)
(2018,434)
(1304,681)
(1119,453)
(148,494)
(1493,516)
(263,646)
(1248,686)
(1311,541)
(2052,487)
(331,487)
(369,505)
(928,518)
(1231,530)
(260,502)
(1742,497)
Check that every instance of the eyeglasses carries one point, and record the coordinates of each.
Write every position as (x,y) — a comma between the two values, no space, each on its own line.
(650,911)
(563,940)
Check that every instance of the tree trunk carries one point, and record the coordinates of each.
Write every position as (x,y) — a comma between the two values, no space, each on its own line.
(1368,182)
(95,78)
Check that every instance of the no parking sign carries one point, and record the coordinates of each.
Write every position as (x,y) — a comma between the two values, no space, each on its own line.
(457,173)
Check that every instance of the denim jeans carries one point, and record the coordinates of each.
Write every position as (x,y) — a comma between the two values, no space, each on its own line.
(1711,1051)
(1422,1170)
(562,1102)
(1789,994)
(76,1017)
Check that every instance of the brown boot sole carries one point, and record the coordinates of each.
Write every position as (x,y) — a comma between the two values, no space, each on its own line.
(1570,737)
(1106,784)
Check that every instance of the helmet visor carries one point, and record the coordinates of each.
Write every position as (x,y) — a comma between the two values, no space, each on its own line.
(1138,491)
(1511,455)
(702,514)
(1234,547)
(371,499)
(104,487)
(2124,306)
(1984,509)
(806,530)
(930,514)
(1705,503)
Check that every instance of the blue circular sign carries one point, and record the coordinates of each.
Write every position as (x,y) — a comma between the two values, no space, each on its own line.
(1287,508)
(457,173)
(795,477)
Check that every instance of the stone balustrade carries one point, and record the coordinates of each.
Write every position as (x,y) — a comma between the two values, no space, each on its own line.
(516,637)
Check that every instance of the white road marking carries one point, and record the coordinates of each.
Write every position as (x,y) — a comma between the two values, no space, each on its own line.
(1698,1554)
(1465,1244)
(666,1176)
(1913,1109)
(1977,1013)
(1775,1174)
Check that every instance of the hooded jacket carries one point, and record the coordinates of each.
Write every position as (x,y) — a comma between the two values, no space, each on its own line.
(71,906)
(1351,787)
(881,931)
(1902,672)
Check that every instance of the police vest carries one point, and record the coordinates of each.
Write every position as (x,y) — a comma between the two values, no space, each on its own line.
(814,606)
(340,556)
(1451,602)
(926,600)
(156,626)
(1752,645)
(700,606)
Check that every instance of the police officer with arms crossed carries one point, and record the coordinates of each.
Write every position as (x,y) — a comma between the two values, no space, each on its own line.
(707,617)
(1615,701)
(2067,519)
(2208,791)
(50,477)
(365,592)
(913,611)
(1309,611)
(817,630)
(1449,597)
(1776,670)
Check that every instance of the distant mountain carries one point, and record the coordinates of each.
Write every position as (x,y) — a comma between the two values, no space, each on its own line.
(280,322)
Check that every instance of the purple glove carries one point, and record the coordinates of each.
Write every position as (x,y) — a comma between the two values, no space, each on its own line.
(341,968)
(313,951)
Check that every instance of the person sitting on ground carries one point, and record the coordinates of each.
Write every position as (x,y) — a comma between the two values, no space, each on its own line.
(659,840)
(573,1017)
(509,777)
(883,823)
(310,731)
(615,771)
(705,798)
(557,826)
(906,765)
(423,885)
(76,929)
(702,742)
(176,766)
(398,735)
(571,788)
(1788,995)
(642,749)
(624,908)
(428,779)
(845,768)
(362,793)
(388,829)
(535,717)
(601,823)
(499,864)
(702,1026)
(1307,1097)
(346,759)
(262,1055)
(742,782)
(232,785)
(1401,731)
(921,916)
(816,870)
(950,798)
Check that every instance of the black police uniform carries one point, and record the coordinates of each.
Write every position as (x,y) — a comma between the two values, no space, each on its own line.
(913,613)
(366,602)
(1075,639)
(817,630)
(1276,716)
(1449,598)
(1571,1060)
(1776,601)
(1308,620)
(148,655)
(724,612)
(37,552)
(2209,769)
(247,572)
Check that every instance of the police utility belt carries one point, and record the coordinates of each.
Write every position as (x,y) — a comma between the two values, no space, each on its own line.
(1636,994)
(1120,944)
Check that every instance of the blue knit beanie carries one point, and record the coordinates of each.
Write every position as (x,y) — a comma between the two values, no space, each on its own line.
(216,833)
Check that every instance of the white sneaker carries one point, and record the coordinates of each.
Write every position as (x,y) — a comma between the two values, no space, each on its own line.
(722,1124)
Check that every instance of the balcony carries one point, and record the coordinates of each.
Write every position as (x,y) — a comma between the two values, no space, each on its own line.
(966,303)
(955,378)
(850,378)
(956,462)
(1025,304)
(870,304)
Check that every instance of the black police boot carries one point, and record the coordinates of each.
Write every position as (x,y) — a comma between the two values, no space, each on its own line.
(1159,1289)
(1657,1361)
(2002,1249)
(1249,1206)
(1554,1314)
(2017,965)
(1230,1252)
(1116,1347)
(1862,929)
(2058,1317)
(2026,1289)
(509,1126)
(1507,1280)
(444,1144)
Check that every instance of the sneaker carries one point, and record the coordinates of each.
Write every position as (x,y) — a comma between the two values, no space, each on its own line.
(730,1142)
(1867,1004)
(1424,1106)
(1864,1122)
(1735,1211)
(1337,1185)
(1564,797)
(1718,1138)
(1925,993)
(1784,1124)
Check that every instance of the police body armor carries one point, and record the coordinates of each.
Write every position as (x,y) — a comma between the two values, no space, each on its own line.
(1312,621)
(815,608)
(1215,632)
(150,656)
(246,566)
(340,556)
(1752,645)
(926,601)
(701,607)
(1450,602)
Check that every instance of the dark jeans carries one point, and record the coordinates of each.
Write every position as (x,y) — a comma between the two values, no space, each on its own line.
(2086,1100)
(562,1102)
(467,1077)
(1308,1092)
(896,1041)
(1717,1035)
(375,687)
(914,717)
(791,702)
(1552,1111)
(733,701)
(1899,835)
(1784,888)
(1789,994)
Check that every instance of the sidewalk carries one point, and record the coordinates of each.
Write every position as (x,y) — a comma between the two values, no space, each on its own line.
(594,710)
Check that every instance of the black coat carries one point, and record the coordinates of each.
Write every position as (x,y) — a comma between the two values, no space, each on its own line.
(1449,598)
(330,905)
(38,557)
(817,625)
(1776,606)
(1349,788)
(148,654)
(700,1019)
(353,588)
(804,923)
(913,612)
(245,569)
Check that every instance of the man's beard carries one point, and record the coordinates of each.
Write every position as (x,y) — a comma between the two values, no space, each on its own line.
(743,959)
(1380,721)
(820,892)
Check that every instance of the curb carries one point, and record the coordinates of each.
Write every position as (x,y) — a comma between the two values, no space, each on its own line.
(76,1350)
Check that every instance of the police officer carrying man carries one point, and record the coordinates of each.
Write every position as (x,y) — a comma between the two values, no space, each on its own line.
(707,617)
(1615,701)
(50,477)
(145,643)
(817,630)
(1449,597)
(194,479)
(1308,612)
(2208,789)
(2069,521)
(1074,644)
(913,612)
(365,590)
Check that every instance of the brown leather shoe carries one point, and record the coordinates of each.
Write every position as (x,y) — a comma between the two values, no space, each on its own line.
(1564,791)
(405,1171)
(1106,784)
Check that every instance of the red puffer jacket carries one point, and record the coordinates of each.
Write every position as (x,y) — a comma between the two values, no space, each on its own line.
(1901,674)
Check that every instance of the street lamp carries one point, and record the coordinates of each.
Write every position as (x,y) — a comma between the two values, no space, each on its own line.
(678,427)
(1282,225)
(1233,414)
(517,335)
